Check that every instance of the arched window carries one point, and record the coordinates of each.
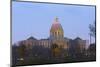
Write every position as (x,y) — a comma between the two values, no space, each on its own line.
(58,33)
(55,33)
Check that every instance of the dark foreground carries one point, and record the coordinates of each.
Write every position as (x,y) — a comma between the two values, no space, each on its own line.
(42,61)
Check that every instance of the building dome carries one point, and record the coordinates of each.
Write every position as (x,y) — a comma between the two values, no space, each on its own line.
(56,31)
(56,25)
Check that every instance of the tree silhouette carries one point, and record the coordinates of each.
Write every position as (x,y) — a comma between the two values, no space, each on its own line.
(56,50)
(92,29)
(22,50)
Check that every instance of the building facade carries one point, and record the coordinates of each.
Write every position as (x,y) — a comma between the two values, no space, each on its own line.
(58,45)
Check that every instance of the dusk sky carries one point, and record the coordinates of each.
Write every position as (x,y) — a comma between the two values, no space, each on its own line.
(35,19)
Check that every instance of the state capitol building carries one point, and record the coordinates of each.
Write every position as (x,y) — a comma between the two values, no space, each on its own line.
(57,44)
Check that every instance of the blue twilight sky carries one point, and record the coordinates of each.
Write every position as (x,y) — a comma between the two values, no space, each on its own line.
(35,19)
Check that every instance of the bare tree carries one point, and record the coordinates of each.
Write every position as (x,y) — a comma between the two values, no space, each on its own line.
(92,29)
